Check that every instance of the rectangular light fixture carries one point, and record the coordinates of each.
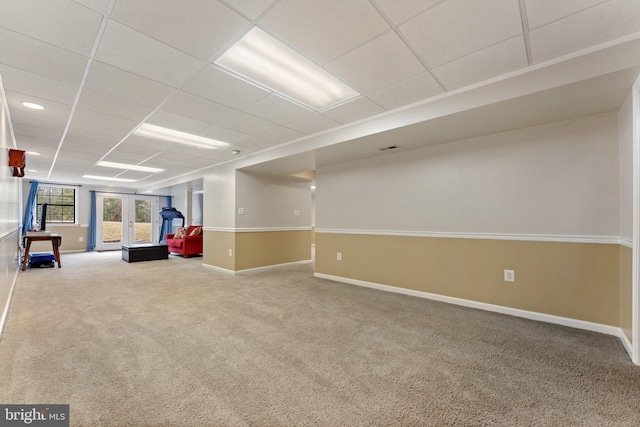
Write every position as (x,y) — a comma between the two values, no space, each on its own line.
(166,134)
(129,167)
(108,178)
(265,61)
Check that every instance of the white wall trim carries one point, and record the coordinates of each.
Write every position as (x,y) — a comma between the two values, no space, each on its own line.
(532,315)
(218,269)
(255,229)
(257,269)
(626,343)
(626,243)
(5,312)
(569,238)
(635,275)
(271,267)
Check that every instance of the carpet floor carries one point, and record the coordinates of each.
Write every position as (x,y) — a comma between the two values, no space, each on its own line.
(170,343)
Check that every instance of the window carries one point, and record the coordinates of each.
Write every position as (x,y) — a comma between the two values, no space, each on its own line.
(61,203)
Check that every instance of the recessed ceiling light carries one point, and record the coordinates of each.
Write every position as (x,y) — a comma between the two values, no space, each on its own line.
(33,105)
(31,170)
(33,153)
(108,178)
(265,61)
(129,167)
(234,152)
(166,134)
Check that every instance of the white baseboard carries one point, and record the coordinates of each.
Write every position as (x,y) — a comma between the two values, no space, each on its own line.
(253,270)
(219,269)
(532,315)
(626,343)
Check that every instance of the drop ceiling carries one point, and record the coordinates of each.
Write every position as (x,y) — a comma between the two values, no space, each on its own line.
(101,68)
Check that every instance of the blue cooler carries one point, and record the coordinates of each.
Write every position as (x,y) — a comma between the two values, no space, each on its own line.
(41,260)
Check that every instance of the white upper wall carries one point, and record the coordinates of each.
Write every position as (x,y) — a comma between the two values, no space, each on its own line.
(625,121)
(554,179)
(272,201)
(220,200)
(9,185)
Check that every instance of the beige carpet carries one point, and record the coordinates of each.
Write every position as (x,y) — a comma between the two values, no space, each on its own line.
(170,343)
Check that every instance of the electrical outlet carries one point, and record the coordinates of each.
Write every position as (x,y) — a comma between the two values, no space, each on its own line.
(296,212)
(240,211)
(509,276)
(230,252)
(81,239)
(339,256)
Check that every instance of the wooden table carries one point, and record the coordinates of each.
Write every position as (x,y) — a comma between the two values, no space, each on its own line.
(56,242)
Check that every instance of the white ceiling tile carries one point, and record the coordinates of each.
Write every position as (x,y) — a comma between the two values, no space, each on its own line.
(378,63)
(277,109)
(41,58)
(105,78)
(207,111)
(103,121)
(223,88)
(138,53)
(43,146)
(223,134)
(324,32)
(496,60)
(401,10)
(177,122)
(540,12)
(459,27)
(79,128)
(282,135)
(254,143)
(97,5)
(313,124)
(93,147)
(112,105)
(198,27)
(408,91)
(135,151)
(37,132)
(599,24)
(54,116)
(97,145)
(251,8)
(62,23)
(28,83)
(353,110)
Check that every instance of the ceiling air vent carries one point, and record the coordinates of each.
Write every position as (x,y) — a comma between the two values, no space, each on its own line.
(391,147)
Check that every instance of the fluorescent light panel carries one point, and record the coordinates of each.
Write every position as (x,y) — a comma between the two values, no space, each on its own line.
(129,167)
(108,178)
(33,105)
(166,134)
(260,58)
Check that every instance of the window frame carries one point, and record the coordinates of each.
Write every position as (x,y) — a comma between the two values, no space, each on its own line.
(50,221)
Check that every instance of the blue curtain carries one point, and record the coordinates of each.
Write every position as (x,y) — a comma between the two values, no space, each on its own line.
(27,221)
(91,239)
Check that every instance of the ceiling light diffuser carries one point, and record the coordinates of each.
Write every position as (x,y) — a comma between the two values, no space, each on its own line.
(129,167)
(265,61)
(108,178)
(166,134)
(33,106)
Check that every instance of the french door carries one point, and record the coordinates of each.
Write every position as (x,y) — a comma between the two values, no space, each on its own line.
(125,219)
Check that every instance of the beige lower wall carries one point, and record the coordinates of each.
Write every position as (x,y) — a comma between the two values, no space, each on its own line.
(255,249)
(264,248)
(626,290)
(574,280)
(71,235)
(215,249)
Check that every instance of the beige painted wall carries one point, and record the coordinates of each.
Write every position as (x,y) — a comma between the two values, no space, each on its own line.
(574,280)
(264,248)
(255,249)
(626,291)
(215,249)
(71,235)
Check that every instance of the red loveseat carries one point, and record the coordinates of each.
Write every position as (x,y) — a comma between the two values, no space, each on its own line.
(190,244)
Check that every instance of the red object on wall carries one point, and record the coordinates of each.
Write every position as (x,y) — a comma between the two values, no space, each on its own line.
(17,162)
